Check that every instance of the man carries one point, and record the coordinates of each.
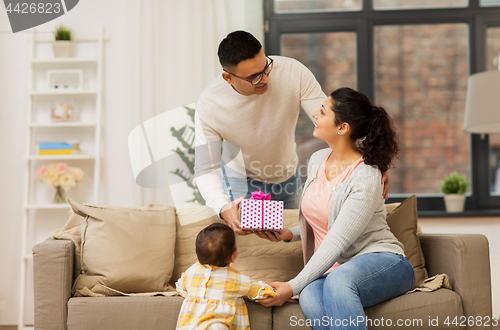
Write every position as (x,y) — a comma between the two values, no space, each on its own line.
(250,113)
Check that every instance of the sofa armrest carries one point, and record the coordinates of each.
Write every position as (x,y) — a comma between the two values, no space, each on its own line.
(465,258)
(52,280)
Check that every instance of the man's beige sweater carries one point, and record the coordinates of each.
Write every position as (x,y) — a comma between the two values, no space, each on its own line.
(258,130)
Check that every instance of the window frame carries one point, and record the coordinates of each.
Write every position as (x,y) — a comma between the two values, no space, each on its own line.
(362,22)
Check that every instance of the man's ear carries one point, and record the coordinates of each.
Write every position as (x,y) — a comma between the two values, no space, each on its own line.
(228,78)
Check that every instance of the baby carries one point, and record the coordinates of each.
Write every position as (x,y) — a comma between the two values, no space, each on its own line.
(212,290)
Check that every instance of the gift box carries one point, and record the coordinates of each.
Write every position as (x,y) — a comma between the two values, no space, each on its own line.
(261,213)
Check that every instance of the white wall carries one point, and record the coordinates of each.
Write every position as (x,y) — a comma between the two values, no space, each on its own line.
(117,184)
(490,227)
(12,112)
(116,189)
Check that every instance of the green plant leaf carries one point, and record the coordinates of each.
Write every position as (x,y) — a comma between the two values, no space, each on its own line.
(62,33)
(454,184)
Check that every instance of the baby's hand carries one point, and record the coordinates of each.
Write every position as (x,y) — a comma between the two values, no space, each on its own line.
(269,294)
(283,293)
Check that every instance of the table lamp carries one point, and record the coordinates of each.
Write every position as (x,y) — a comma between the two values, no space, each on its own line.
(482,106)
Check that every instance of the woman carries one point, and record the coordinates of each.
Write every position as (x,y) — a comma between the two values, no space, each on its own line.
(342,218)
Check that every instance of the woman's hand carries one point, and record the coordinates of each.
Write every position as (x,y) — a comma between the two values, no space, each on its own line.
(275,236)
(283,293)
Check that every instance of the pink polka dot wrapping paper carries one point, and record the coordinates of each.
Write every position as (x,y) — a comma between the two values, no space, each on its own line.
(251,212)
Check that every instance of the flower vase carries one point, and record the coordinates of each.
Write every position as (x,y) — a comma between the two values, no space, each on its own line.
(60,196)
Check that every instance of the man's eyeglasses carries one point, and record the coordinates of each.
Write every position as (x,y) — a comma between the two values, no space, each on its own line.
(257,77)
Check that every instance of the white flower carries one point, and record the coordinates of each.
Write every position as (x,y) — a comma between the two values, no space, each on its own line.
(66,181)
(59,175)
(77,174)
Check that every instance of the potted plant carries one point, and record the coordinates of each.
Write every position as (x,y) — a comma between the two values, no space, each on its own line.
(454,187)
(62,44)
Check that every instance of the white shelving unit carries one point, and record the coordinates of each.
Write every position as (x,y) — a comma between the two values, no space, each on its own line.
(67,124)
(59,93)
(59,157)
(37,204)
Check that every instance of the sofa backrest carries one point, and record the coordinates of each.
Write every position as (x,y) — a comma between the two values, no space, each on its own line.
(262,259)
(269,261)
(258,258)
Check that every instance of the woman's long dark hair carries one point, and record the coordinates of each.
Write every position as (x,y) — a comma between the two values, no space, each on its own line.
(369,123)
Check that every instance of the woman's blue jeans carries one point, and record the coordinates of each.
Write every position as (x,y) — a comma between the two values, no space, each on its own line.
(337,300)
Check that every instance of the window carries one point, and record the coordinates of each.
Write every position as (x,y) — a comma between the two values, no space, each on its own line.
(331,57)
(494,162)
(493,48)
(421,81)
(493,63)
(413,57)
(316,5)
(405,4)
(490,3)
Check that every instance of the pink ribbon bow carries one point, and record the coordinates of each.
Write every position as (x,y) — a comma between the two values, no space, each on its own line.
(259,195)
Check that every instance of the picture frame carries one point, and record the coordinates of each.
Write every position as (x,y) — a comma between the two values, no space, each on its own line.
(65,79)
(62,110)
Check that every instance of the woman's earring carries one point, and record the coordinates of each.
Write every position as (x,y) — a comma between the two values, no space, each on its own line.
(338,133)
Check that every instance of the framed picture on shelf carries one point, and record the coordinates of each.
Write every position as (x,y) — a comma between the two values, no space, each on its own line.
(65,79)
(62,110)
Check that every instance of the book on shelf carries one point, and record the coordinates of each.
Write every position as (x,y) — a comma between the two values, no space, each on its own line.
(59,148)
(46,152)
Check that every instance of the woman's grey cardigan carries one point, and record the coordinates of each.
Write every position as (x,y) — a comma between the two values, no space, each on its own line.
(356,224)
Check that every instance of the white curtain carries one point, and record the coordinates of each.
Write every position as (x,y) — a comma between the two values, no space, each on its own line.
(175,56)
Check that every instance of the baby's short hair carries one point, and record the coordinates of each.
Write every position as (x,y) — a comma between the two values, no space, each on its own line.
(215,244)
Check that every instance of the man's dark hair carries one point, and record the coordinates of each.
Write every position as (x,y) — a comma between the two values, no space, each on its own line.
(237,47)
(215,244)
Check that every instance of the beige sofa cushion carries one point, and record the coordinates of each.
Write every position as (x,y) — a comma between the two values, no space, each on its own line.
(190,221)
(270,261)
(403,224)
(258,258)
(127,249)
(72,231)
(146,313)
(418,310)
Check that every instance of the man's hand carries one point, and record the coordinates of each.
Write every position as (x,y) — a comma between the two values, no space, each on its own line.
(283,293)
(387,184)
(275,236)
(229,213)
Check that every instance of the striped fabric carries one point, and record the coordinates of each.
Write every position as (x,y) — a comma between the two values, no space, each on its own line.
(213,298)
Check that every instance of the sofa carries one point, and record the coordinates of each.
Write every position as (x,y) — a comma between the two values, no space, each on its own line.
(463,258)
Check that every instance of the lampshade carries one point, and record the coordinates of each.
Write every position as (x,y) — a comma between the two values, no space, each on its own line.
(482,107)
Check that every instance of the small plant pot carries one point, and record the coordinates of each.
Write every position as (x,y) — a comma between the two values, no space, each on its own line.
(62,48)
(454,203)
